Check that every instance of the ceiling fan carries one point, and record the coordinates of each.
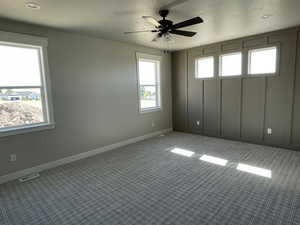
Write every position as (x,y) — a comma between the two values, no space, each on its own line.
(165,27)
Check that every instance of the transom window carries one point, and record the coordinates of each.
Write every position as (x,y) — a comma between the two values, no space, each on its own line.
(24,100)
(204,67)
(230,64)
(262,61)
(149,82)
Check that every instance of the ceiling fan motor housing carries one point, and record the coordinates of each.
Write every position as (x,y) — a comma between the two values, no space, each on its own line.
(165,24)
(163,12)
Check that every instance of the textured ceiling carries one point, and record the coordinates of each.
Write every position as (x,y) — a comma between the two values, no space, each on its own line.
(223,19)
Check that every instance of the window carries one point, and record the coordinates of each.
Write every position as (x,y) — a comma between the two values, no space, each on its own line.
(149,82)
(231,64)
(205,67)
(262,61)
(24,96)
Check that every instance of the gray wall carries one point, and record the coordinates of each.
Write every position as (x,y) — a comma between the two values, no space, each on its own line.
(94,87)
(241,108)
(179,62)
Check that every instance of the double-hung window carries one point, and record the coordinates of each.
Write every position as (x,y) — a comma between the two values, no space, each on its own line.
(25,103)
(148,67)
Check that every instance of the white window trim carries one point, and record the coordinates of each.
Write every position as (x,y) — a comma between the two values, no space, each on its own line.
(156,59)
(41,43)
(196,67)
(220,64)
(261,49)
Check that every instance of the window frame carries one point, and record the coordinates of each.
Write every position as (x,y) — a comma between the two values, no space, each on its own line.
(158,61)
(220,64)
(214,67)
(41,44)
(277,62)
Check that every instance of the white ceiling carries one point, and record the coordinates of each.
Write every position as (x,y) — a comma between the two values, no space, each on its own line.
(223,19)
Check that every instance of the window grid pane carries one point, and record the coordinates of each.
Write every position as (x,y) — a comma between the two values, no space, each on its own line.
(231,64)
(21,107)
(262,61)
(19,66)
(147,72)
(205,67)
(148,96)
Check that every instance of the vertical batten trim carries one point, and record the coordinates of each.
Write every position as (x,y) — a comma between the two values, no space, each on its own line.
(241,105)
(294,91)
(265,109)
(186,124)
(221,108)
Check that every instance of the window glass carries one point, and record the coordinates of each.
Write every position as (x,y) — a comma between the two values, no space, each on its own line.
(19,66)
(262,61)
(147,72)
(148,97)
(231,64)
(205,67)
(20,107)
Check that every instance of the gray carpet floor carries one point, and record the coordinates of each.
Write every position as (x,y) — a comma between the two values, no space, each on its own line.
(146,183)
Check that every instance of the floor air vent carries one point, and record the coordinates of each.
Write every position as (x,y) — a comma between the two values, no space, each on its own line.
(29,177)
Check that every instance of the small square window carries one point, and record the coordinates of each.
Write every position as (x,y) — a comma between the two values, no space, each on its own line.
(262,61)
(204,67)
(231,64)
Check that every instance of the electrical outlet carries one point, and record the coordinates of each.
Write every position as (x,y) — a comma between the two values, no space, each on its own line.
(153,124)
(269,131)
(198,123)
(13,157)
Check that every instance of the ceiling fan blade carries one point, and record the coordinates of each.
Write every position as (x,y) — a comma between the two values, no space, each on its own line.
(140,31)
(186,23)
(173,4)
(183,33)
(151,20)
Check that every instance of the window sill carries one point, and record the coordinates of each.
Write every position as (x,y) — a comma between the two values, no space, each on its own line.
(262,74)
(26,129)
(230,76)
(205,78)
(149,110)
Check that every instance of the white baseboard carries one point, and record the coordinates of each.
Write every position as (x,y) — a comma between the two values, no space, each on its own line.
(49,165)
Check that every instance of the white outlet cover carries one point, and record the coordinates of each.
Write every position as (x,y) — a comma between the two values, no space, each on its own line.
(13,157)
(269,131)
